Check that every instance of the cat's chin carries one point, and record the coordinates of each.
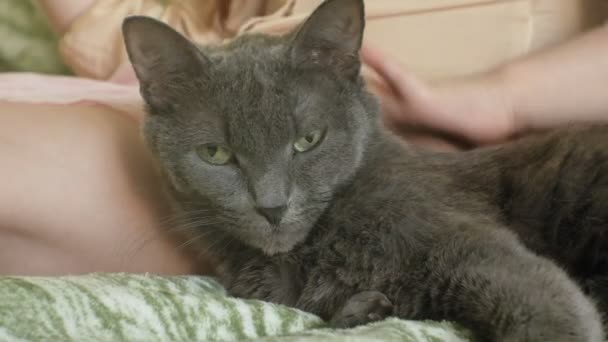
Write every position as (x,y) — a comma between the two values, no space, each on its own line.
(280,241)
(272,248)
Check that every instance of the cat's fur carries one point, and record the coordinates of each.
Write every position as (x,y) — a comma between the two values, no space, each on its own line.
(372,227)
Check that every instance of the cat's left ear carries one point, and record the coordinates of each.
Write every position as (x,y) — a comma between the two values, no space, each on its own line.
(331,37)
(163,59)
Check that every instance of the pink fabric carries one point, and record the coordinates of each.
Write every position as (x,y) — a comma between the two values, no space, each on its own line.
(44,89)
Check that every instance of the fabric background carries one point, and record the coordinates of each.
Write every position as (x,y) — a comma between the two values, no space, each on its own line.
(120,307)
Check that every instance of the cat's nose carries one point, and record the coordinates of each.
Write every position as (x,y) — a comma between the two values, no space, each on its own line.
(274,214)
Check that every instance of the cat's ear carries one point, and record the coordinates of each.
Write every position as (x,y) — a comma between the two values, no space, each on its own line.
(162,58)
(331,37)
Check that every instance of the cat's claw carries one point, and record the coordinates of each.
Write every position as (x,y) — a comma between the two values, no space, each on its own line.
(362,308)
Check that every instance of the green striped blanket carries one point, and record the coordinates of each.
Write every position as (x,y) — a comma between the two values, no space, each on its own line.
(121,307)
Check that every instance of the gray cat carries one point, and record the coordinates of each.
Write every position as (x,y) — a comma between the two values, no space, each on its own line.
(272,146)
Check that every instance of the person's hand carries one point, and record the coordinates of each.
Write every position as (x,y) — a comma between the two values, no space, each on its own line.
(471,111)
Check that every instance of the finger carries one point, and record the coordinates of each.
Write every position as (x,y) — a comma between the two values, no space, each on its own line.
(387,68)
(377,85)
(392,115)
(375,60)
(407,87)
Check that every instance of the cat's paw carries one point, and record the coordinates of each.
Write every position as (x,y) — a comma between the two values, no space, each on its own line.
(362,308)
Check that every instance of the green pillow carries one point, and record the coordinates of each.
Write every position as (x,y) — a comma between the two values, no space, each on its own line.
(123,307)
(28,43)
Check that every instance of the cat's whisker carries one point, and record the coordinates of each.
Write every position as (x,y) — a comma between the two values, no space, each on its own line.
(140,242)
(181,229)
(190,241)
(200,223)
(208,249)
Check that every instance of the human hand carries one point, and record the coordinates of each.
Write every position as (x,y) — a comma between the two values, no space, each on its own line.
(472,111)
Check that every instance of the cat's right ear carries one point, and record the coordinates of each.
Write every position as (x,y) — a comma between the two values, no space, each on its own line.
(161,57)
(331,37)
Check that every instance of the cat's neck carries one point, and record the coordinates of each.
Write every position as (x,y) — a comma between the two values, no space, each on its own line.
(384,151)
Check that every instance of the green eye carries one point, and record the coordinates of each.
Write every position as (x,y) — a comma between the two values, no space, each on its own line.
(214,154)
(308,141)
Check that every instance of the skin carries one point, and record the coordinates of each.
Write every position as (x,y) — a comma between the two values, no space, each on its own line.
(90,206)
(110,208)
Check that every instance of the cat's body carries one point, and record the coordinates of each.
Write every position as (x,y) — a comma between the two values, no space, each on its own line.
(274,152)
(442,245)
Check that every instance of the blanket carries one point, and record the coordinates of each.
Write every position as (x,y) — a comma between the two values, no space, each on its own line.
(127,307)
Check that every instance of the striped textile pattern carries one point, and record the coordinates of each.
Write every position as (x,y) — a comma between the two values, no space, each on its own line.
(127,307)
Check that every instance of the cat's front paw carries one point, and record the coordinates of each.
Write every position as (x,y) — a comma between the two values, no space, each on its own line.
(362,308)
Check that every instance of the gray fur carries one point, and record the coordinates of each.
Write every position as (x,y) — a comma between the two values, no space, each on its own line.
(373,227)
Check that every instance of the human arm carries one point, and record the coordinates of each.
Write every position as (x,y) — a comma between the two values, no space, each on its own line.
(562,85)
(83,195)
(551,88)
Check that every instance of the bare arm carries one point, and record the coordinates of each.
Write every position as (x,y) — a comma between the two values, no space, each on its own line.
(83,195)
(560,85)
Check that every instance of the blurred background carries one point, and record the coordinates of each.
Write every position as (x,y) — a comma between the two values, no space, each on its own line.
(27,43)
(477,36)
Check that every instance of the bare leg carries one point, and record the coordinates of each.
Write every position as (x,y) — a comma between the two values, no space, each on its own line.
(80,194)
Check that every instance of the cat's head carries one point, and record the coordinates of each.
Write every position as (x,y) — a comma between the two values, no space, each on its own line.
(264,130)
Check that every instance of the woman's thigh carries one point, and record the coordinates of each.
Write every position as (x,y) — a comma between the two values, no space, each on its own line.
(80,194)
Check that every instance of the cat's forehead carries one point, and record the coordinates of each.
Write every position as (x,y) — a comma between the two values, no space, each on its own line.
(248,95)
(258,98)
(260,101)
(259,69)
(262,116)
